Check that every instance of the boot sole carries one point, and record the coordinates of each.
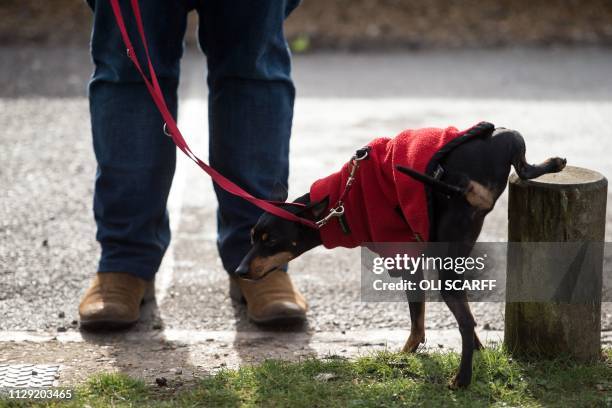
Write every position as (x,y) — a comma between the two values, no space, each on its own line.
(280,320)
(105,325)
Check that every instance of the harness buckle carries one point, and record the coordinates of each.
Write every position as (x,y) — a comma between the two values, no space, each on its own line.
(362,153)
(438,173)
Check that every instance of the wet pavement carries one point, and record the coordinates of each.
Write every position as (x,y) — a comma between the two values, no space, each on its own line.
(560,99)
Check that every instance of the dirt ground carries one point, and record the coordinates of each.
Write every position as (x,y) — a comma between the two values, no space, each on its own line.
(364,24)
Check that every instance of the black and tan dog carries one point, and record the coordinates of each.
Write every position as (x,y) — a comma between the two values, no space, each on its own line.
(475,173)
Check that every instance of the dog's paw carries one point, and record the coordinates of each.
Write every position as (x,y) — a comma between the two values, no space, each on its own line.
(413,342)
(558,163)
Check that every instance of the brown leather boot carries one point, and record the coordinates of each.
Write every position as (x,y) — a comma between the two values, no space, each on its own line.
(113,300)
(272,300)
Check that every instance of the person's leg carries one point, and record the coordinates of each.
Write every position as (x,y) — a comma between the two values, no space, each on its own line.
(250,113)
(135,159)
(250,108)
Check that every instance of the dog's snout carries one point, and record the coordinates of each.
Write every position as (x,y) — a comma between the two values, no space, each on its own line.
(241,270)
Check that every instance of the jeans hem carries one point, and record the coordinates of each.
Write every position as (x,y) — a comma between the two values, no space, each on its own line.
(140,271)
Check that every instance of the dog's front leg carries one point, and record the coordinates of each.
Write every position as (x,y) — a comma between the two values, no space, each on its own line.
(416,303)
(417,327)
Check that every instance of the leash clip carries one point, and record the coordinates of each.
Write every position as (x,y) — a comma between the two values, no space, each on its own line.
(166,131)
(359,155)
(338,211)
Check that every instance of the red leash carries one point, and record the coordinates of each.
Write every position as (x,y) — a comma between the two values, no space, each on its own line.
(173,131)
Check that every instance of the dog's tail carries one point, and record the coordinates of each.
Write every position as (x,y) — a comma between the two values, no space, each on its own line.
(523,169)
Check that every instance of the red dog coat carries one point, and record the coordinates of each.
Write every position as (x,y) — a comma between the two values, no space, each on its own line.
(384,205)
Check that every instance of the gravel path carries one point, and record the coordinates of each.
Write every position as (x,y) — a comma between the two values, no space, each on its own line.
(560,99)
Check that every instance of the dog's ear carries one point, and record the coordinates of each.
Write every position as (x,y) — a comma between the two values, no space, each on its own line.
(279,192)
(317,209)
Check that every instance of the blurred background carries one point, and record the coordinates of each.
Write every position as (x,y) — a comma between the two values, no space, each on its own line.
(365,24)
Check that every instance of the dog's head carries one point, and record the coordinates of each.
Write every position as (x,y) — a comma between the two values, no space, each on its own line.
(275,241)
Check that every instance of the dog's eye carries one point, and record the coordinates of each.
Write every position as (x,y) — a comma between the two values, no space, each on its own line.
(270,242)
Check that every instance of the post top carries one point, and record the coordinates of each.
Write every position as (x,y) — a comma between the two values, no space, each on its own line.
(570,176)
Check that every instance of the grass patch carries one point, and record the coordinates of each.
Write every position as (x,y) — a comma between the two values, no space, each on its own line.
(383,379)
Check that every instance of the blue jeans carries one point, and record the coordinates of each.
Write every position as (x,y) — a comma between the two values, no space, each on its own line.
(250,110)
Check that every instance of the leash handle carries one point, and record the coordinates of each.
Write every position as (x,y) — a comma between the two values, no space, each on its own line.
(172,129)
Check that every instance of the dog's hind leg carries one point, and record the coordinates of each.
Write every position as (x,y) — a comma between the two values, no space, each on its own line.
(458,304)
(477,343)
(523,169)
(457,229)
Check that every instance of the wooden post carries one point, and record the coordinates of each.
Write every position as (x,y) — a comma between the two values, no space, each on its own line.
(569,206)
